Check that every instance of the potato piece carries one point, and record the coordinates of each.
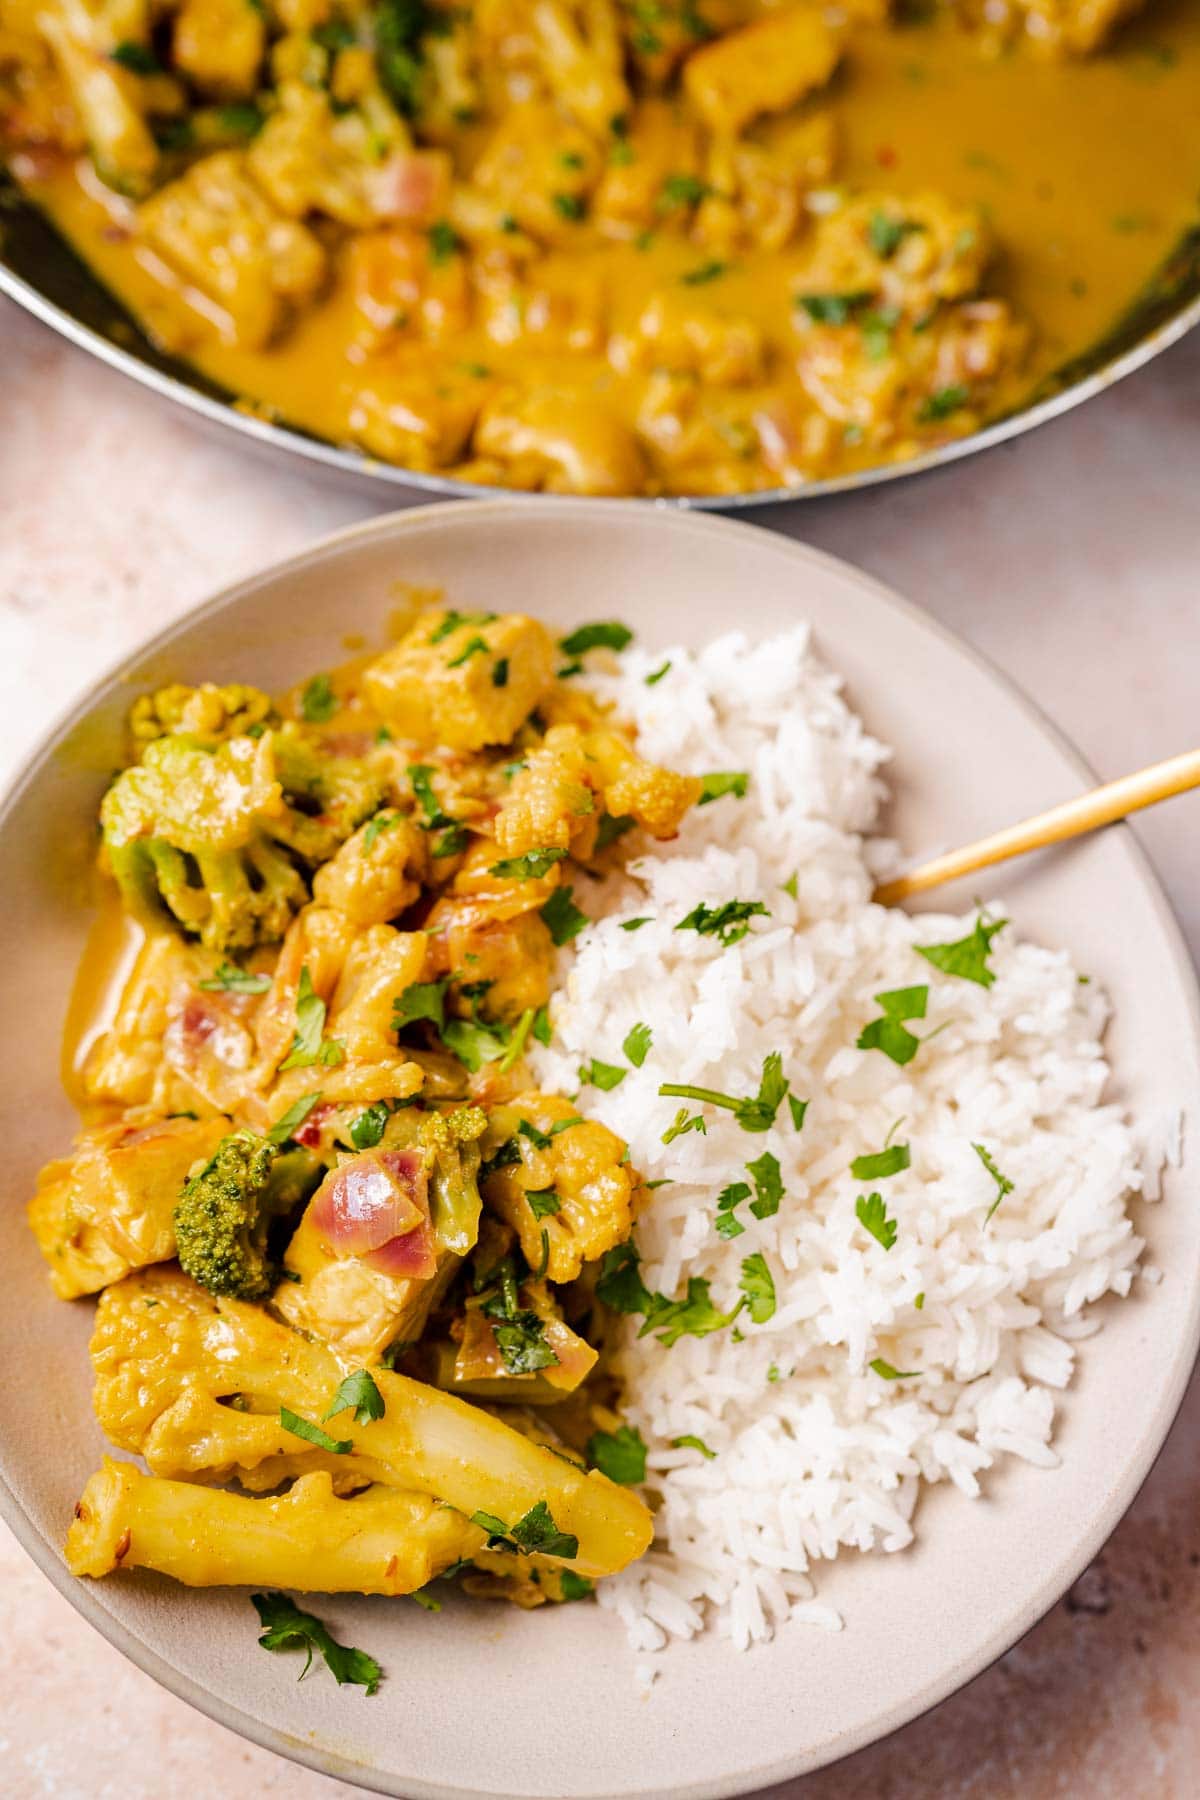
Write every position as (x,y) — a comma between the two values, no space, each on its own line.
(556,800)
(404,289)
(909,253)
(108,100)
(684,335)
(510,958)
(1056,27)
(110,1207)
(382,1541)
(540,169)
(409,413)
(219,45)
(765,68)
(439,684)
(661,144)
(218,230)
(582,52)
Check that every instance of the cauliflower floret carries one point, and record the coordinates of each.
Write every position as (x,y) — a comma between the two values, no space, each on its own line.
(219,230)
(308,158)
(407,284)
(683,335)
(540,169)
(581,53)
(109,99)
(462,679)
(661,144)
(575,1166)
(909,253)
(378,872)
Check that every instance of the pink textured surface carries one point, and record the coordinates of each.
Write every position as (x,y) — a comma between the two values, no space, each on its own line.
(1070,559)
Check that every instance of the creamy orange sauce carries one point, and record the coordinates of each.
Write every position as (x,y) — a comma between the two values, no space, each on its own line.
(1088,170)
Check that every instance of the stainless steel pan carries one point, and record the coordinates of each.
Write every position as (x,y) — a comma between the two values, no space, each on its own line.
(41,273)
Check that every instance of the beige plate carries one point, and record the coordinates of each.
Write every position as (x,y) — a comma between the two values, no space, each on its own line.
(481,1701)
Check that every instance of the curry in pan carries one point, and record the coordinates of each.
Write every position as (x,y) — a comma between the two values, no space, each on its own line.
(614,246)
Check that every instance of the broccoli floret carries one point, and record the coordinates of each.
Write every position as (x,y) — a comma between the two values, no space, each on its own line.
(225,1212)
(192,827)
(213,713)
(451,1140)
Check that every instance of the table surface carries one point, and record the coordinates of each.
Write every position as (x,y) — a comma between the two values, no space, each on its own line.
(1070,559)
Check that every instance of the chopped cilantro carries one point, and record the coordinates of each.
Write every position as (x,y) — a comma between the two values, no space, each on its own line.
(681,190)
(229,979)
(611,827)
(727,781)
(754,1113)
(383,821)
(536,1532)
(601,1075)
(620,1285)
(318,702)
(619,1454)
(728,1225)
(607,634)
(137,58)
(475,1044)
(635,924)
(500,672)
(530,867)
(575,1587)
(704,272)
(475,646)
(358,1394)
(1003,1185)
(541,1028)
(569,206)
(452,621)
(966,957)
(543,1202)
(656,675)
(728,922)
(312,1434)
(887,234)
(792,885)
(768,1185)
(309,1046)
(444,242)
(682,1123)
(882,1164)
(889,1033)
(292,1119)
(942,403)
(541,1140)
(832,309)
(563,918)
(421,1000)
(692,1316)
(887,1372)
(637,1044)
(872,1215)
(758,1285)
(919,1302)
(689,1441)
(797,1108)
(285,1627)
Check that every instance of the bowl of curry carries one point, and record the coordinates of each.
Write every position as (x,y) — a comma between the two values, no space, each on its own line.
(714,251)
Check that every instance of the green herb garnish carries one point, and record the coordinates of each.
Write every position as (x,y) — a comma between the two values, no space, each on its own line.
(619,1454)
(966,957)
(728,922)
(754,1113)
(285,1627)
(601,1075)
(727,781)
(367,1130)
(727,1224)
(607,634)
(1003,1185)
(292,1119)
(562,917)
(889,1033)
(309,1046)
(637,1044)
(530,867)
(758,1285)
(312,1434)
(689,1441)
(872,1215)
(358,1394)
(229,979)
(882,1164)
(318,702)
(886,1370)
(768,1185)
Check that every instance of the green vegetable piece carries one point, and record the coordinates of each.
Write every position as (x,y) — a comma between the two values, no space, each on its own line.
(635,924)
(693,1316)
(575,1587)
(500,672)
(721,782)
(682,1123)
(887,234)
(285,1627)
(619,1454)
(882,1164)
(318,702)
(444,243)
(421,1000)
(689,1441)
(543,1202)
(358,1394)
(656,675)
(797,1108)
(758,1285)
(367,1130)
(886,1371)
(229,979)
(942,403)
(312,1434)
(620,1285)
(966,957)
(563,919)
(291,1121)
(475,1044)
(832,309)
(728,922)
(605,1076)
(872,1215)
(889,1033)
(728,1225)
(383,821)
(611,827)
(223,1214)
(309,1046)
(475,646)
(530,867)
(768,1185)
(1003,1185)
(637,1044)
(604,634)
(756,1112)
(704,273)
(139,59)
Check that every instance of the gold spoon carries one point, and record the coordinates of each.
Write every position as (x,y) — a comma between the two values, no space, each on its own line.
(1103,806)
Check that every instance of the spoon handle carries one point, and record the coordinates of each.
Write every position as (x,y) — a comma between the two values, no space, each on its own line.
(1102,806)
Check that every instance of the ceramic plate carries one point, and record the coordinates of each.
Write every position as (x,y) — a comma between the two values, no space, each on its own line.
(482,1701)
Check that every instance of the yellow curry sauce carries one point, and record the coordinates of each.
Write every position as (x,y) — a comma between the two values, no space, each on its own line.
(1025,201)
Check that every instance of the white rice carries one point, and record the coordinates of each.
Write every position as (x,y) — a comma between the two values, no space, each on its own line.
(814,1452)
